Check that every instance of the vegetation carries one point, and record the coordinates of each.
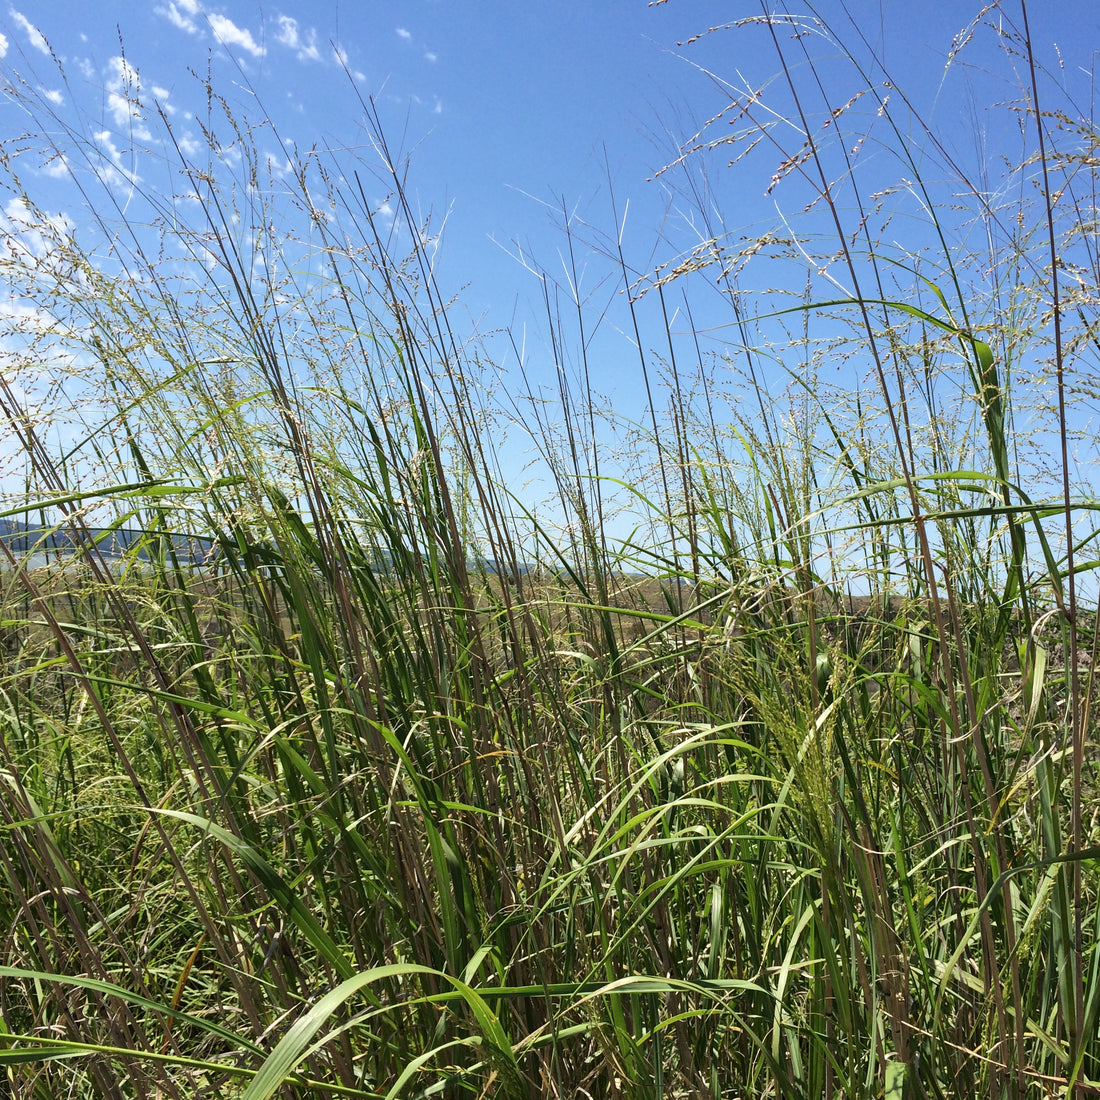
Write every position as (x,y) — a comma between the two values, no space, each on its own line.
(757,761)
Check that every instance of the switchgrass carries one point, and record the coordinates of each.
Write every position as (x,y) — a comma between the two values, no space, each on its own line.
(409,790)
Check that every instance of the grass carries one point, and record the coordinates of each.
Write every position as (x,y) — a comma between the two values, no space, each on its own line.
(789,793)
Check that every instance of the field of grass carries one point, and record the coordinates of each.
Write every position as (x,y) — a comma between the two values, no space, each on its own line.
(791,792)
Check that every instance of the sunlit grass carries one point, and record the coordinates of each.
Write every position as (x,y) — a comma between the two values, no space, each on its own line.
(409,791)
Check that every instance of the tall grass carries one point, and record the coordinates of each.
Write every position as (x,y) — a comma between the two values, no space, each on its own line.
(409,791)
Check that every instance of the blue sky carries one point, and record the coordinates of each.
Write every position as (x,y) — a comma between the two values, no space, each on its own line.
(517,114)
(506,106)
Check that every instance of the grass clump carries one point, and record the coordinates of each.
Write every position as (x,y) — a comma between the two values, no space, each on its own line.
(403,791)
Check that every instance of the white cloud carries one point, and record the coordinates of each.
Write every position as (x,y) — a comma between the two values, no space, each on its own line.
(305,45)
(186,15)
(124,98)
(127,113)
(402,33)
(36,38)
(230,155)
(177,15)
(3,45)
(54,96)
(58,167)
(278,167)
(431,56)
(229,34)
(33,240)
(26,320)
(110,171)
(18,216)
(123,74)
(161,95)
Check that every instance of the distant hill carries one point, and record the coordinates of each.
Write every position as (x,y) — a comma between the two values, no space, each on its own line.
(23,538)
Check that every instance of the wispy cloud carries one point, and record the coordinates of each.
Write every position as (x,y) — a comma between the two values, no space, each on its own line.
(189,145)
(34,240)
(340,55)
(229,34)
(189,16)
(34,36)
(3,45)
(161,95)
(402,33)
(123,74)
(431,56)
(305,45)
(278,167)
(58,167)
(109,169)
(124,98)
(52,94)
(181,15)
